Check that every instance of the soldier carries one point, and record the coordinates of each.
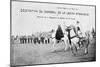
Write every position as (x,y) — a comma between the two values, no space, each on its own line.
(79,32)
(59,33)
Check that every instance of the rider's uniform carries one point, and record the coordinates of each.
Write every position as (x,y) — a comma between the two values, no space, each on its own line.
(79,30)
(80,33)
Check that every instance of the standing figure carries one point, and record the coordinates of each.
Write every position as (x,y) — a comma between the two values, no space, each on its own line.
(59,34)
(79,32)
(68,29)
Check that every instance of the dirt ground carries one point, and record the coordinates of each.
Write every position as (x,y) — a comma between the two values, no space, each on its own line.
(31,54)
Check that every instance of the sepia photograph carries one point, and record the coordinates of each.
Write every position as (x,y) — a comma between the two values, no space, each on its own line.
(51,33)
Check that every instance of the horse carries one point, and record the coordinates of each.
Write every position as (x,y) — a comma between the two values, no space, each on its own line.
(84,41)
(78,40)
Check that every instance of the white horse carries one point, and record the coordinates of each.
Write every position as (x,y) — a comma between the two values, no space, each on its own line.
(84,41)
(66,41)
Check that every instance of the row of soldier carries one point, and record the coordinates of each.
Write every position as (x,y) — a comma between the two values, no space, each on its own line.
(44,38)
(35,40)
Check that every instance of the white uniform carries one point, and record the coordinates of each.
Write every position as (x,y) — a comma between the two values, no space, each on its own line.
(81,31)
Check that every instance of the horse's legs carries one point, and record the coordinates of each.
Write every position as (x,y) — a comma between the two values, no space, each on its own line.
(73,49)
(66,44)
(86,47)
(54,42)
(79,45)
(86,50)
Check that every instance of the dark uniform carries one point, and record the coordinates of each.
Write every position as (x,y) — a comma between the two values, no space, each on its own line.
(59,33)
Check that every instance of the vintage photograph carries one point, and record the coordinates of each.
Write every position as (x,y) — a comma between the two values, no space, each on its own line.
(52,33)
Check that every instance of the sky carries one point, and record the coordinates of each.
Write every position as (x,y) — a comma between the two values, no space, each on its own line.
(26,23)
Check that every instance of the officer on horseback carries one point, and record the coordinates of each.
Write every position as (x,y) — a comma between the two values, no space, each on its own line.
(79,33)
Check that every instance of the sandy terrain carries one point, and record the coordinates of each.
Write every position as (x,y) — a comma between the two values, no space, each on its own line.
(30,54)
